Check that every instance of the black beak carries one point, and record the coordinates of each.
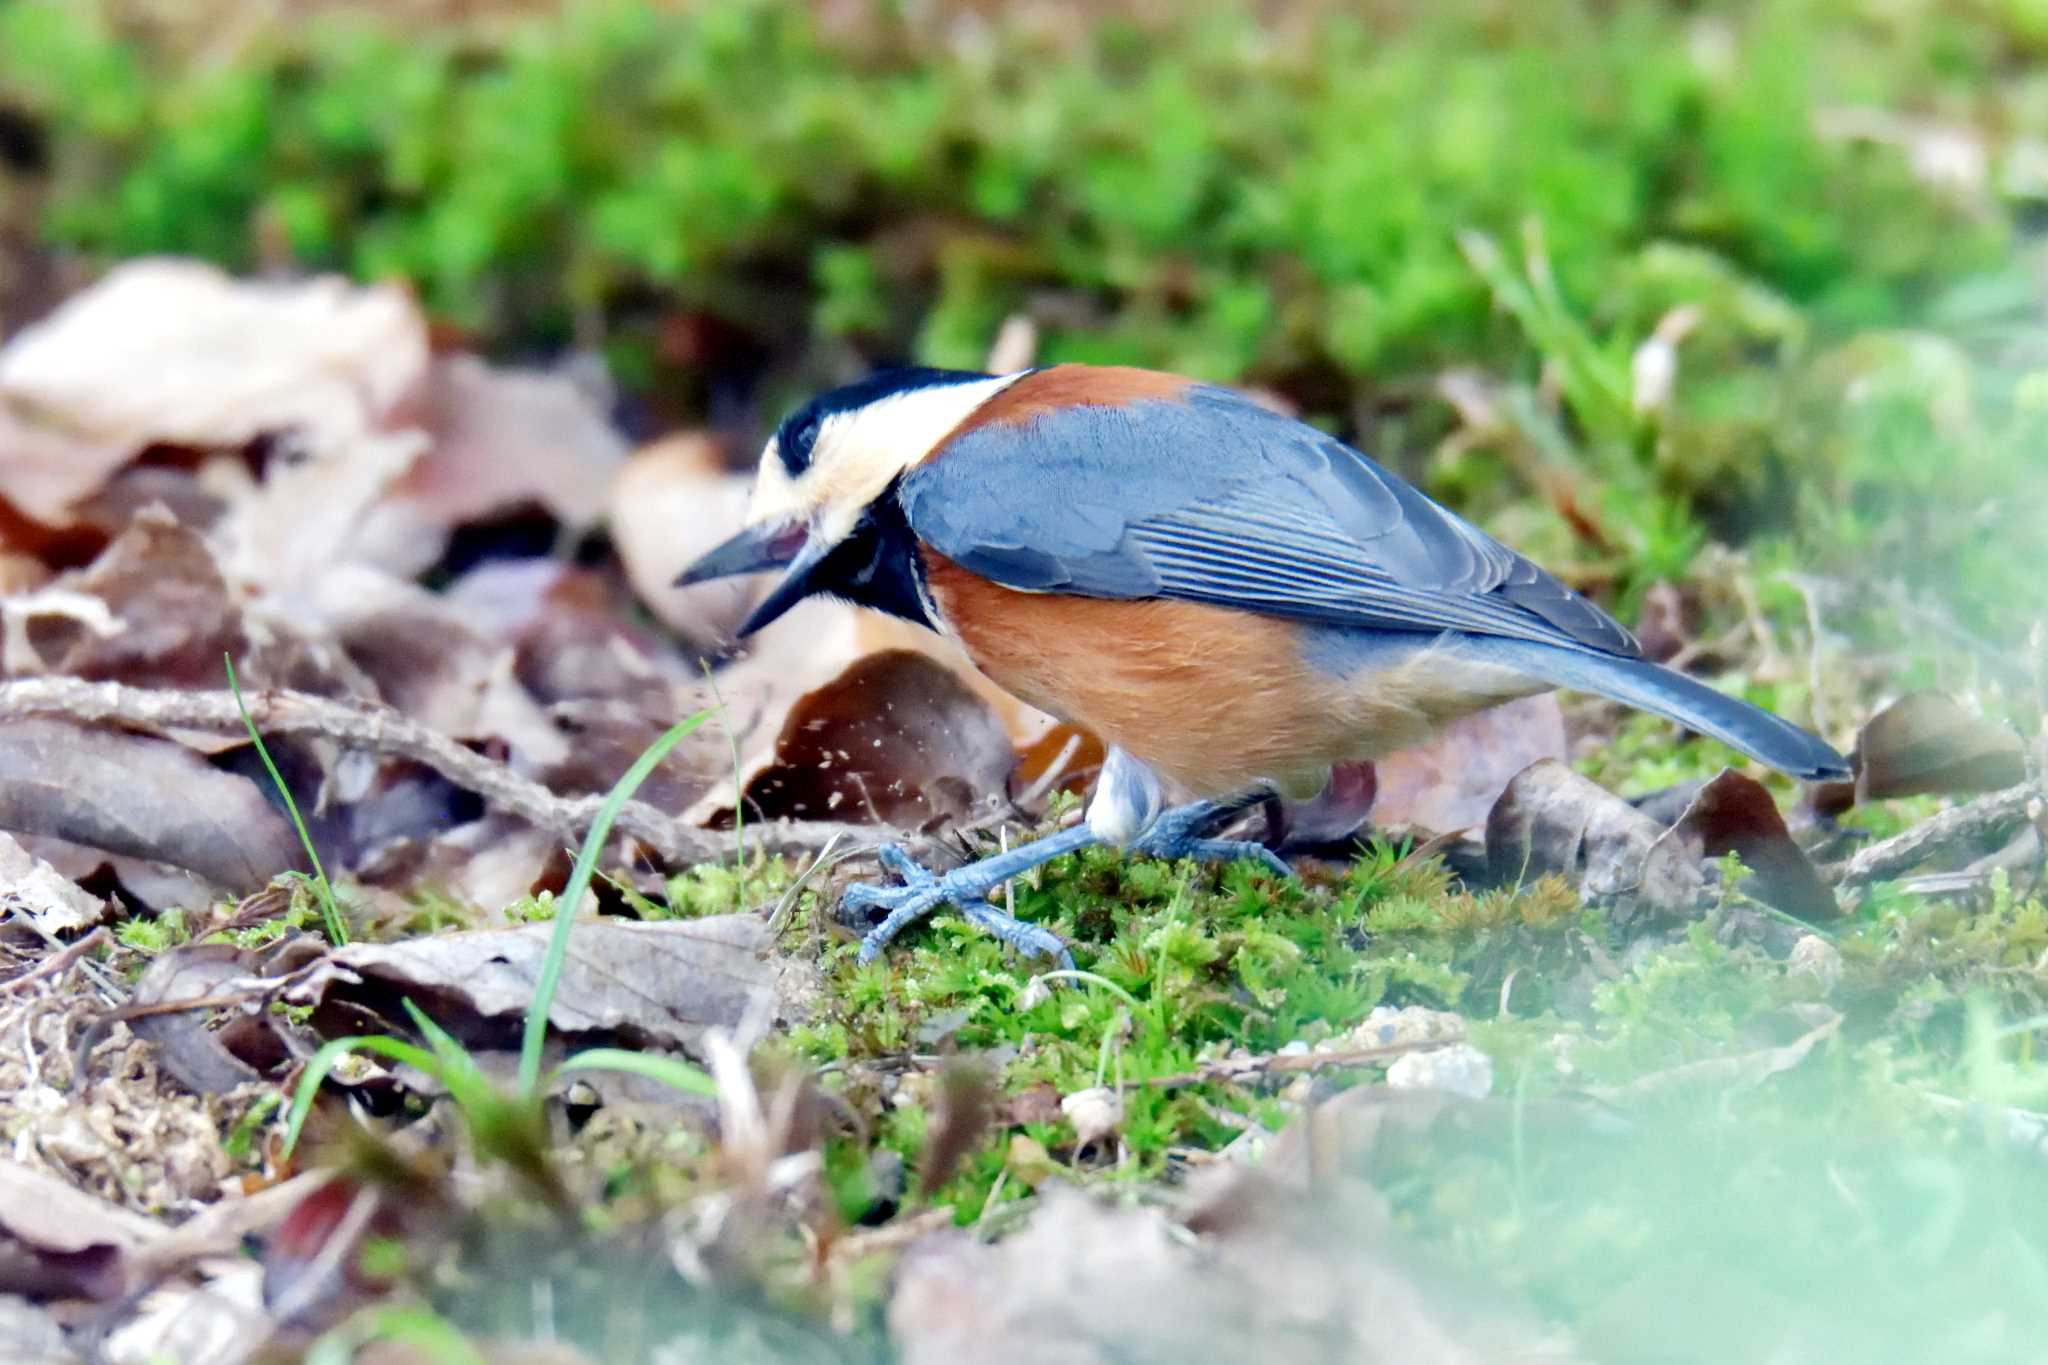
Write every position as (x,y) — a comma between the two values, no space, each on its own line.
(753,550)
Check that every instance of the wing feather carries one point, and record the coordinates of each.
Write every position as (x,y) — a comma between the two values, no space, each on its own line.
(1209,497)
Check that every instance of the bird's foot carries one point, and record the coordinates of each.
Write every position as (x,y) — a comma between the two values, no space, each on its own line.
(1176,835)
(892,909)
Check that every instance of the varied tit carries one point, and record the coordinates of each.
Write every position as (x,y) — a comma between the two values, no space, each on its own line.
(1232,600)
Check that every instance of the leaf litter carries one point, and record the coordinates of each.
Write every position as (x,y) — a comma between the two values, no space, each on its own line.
(1462,1001)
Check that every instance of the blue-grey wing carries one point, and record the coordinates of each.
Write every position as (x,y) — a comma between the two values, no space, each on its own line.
(1211,498)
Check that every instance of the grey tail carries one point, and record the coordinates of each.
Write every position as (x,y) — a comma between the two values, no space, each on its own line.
(1652,687)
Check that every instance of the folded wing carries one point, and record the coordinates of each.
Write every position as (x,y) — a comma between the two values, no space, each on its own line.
(1209,497)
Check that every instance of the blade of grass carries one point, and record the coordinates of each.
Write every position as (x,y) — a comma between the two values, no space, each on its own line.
(329,1056)
(330,909)
(669,1071)
(572,896)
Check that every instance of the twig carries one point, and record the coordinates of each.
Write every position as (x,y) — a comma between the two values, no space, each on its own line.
(1986,821)
(57,963)
(1288,1064)
(381,730)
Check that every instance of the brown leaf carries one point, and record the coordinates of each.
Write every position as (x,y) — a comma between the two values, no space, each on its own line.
(57,1242)
(185,1046)
(1927,743)
(1735,814)
(1091,1282)
(570,631)
(505,438)
(645,985)
(173,620)
(1452,782)
(896,739)
(177,353)
(29,886)
(1552,820)
(428,663)
(1668,621)
(140,796)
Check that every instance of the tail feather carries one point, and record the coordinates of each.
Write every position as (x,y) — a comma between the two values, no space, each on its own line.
(1652,687)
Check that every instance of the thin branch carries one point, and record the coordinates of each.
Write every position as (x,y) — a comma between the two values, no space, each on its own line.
(378,729)
(1294,1063)
(1983,823)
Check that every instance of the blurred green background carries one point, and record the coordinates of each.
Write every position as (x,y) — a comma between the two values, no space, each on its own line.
(1620,280)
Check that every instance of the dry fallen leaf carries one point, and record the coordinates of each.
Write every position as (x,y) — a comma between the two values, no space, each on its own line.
(1926,742)
(1735,814)
(1088,1283)
(29,886)
(1452,782)
(647,985)
(57,1242)
(1552,820)
(500,439)
(896,740)
(177,353)
(670,503)
(170,614)
(191,1052)
(140,796)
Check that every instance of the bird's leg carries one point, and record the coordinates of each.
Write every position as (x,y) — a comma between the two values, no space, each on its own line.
(1177,834)
(1125,810)
(967,887)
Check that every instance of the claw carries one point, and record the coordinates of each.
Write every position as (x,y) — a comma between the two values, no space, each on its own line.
(967,887)
(1172,837)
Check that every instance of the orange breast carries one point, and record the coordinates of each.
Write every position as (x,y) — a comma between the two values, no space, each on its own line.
(1217,700)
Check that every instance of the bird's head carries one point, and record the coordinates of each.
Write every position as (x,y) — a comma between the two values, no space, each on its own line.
(817,510)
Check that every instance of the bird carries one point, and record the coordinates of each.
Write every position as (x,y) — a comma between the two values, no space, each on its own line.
(1231,599)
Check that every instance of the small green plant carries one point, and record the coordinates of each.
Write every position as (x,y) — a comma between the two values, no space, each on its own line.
(330,907)
(498,1121)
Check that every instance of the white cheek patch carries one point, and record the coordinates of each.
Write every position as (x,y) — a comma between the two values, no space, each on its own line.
(858,454)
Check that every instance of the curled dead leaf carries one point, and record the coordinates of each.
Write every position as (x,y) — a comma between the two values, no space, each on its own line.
(29,886)
(140,796)
(1551,820)
(897,739)
(57,1241)
(1735,814)
(1925,742)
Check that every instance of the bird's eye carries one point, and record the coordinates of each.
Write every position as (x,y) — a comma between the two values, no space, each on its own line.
(794,444)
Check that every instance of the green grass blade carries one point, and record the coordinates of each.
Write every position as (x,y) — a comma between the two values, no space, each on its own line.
(669,1071)
(330,909)
(329,1056)
(572,896)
